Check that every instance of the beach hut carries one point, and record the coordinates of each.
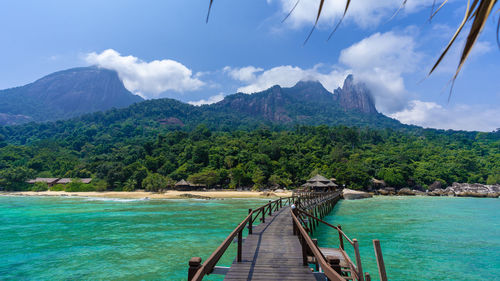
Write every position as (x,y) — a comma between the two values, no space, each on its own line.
(49,181)
(183,185)
(68,180)
(320,183)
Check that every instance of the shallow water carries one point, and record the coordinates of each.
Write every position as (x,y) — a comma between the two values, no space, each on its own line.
(83,238)
(424,238)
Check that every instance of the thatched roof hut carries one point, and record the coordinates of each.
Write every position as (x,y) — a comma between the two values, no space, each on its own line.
(320,183)
(48,181)
(185,185)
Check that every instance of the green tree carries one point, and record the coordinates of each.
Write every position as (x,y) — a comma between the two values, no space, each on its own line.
(154,182)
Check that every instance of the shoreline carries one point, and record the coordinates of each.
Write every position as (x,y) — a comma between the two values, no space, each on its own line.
(170,194)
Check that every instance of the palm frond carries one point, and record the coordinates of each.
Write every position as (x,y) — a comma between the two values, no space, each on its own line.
(316,22)
(437,10)
(291,11)
(209,8)
(340,21)
(398,10)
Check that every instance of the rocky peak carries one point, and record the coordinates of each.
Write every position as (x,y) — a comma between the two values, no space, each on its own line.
(355,96)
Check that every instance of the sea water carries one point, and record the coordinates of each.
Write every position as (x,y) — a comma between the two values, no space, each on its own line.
(49,238)
(422,238)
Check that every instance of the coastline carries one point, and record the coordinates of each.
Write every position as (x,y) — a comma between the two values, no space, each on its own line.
(170,194)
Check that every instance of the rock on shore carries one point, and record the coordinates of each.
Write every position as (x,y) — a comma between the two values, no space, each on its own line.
(456,189)
(468,190)
(350,194)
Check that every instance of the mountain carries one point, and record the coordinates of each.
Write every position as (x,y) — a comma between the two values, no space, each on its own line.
(355,96)
(308,102)
(65,94)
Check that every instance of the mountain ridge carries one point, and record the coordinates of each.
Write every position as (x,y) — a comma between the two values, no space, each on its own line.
(65,94)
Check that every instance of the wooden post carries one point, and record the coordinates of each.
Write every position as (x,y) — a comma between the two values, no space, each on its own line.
(358,259)
(380,260)
(250,231)
(194,265)
(281,202)
(240,243)
(341,238)
(263,210)
(304,250)
(270,207)
(315,241)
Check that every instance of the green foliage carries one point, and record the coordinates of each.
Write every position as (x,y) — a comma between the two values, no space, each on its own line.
(58,187)
(157,157)
(78,186)
(208,177)
(39,186)
(154,182)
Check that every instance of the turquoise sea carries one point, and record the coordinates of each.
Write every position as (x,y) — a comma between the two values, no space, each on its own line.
(70,238)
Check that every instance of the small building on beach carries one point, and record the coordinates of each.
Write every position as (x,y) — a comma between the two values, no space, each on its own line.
(320,183)
(185,186)
(68,180)
(53,181)
(49,181)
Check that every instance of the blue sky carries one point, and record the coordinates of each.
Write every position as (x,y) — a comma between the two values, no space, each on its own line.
(165,49)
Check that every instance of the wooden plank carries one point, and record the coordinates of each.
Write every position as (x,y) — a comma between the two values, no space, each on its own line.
(272,252)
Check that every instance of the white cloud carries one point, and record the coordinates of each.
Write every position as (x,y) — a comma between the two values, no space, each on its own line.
(460,117)
(147,79)
(364,13)
(245,74)
(210,100)
(287,76)
(380,61)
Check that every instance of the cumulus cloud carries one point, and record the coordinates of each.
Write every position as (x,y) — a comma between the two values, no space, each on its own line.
(147,79)
(460,117)
(210,100)
(287,76)
(364,13)
(380,61)
(245,74)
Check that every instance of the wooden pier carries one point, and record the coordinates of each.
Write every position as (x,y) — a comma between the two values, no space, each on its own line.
(280,247)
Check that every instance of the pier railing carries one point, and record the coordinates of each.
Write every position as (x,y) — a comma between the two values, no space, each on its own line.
(197,270)
(356,269)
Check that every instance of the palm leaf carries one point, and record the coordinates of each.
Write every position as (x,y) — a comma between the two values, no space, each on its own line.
(481,15)
(437,10)
(398,10)
(343,16)
(291,11)
(317,18)
(209,8)
(462,24)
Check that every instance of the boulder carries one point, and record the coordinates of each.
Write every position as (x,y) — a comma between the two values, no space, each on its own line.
(418,192)
(378,183)
(350,194)
(390,189)
(435,185)
(473,190)
(406,191)
(382,192)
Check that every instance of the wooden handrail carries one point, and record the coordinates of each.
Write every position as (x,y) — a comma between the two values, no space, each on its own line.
(197,270)
(208,266)
(330,225)
(327,269)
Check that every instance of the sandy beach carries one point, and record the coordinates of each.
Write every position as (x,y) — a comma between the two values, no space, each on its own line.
(170,194)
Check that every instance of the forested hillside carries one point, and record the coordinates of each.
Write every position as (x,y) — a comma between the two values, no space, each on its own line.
(125,159)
